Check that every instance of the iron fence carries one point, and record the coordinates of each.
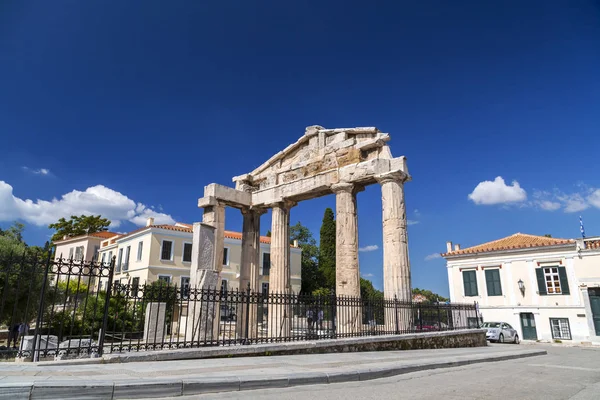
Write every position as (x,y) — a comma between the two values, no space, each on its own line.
(61,308)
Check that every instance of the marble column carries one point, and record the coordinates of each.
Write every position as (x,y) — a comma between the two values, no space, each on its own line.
(279,280)
(396,264)
(347,274)
(215,217)
(249,271)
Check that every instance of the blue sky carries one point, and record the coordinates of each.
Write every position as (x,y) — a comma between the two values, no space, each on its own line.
(129,108)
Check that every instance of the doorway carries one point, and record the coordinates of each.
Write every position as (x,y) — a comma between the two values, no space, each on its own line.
(595,306)
(528,326)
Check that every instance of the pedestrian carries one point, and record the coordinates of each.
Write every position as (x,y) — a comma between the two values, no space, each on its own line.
(320,319)
(309,319)
(23,329)
(13,335)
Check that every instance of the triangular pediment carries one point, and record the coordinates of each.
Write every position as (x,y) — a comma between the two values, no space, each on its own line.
(317,151)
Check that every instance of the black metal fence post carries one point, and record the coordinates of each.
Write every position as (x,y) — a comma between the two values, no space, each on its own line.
(396,314)
(38,320)
(106,304)
(247,339)
(439,317)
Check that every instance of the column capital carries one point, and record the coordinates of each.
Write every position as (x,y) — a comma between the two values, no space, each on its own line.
(255,211)
(285,204)
(393,176)
(342,187)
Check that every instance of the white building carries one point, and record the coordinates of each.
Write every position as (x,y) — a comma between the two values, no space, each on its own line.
(546,288)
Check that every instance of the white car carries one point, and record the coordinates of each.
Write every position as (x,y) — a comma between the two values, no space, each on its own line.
(500,332)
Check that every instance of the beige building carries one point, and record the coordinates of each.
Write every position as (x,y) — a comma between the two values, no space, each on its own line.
(164,252)
(546,288)
(81,248)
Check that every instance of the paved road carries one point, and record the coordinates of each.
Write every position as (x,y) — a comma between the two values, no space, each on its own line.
(565,373)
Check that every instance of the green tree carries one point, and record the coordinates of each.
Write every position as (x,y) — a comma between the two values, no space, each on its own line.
(327,249)
(310,252)
(21,276)
(76,226)
(368,291)
(432,297)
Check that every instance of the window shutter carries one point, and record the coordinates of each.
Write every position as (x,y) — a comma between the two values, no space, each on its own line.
(470,283)
(489,282)
(539,272)
(564,282)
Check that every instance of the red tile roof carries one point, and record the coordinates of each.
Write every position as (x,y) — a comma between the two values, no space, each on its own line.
(101,235)
(183,227)
(516,241)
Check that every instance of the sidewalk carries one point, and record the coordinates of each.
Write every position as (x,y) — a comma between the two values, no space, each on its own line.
(188,377)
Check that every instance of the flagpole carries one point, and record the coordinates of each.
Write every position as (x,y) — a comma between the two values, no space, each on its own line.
(581,229)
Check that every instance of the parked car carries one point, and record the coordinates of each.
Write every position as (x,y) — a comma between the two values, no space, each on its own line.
(500,332)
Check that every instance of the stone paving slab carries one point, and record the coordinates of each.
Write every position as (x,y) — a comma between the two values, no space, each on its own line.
(189,377)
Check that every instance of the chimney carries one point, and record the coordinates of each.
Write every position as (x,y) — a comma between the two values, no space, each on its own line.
(448,247)
(295,243)
(65,237)
(456,247)
(150,221)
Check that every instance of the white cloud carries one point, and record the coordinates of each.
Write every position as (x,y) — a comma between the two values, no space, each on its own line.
(372,247)
(574,203)
(594,198)
(41,171)
(411,222)
(95,200)
(549,205)
(498,192)
(433,256)
(367,275)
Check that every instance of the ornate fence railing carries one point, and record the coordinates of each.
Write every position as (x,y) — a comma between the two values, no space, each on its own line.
(55,308)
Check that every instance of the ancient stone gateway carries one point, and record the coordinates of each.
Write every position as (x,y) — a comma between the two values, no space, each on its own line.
(323,161)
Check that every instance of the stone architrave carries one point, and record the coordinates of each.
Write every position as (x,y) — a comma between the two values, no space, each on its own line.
(279,308)
(202,316)
(154,323)
(249,273)
(396,264)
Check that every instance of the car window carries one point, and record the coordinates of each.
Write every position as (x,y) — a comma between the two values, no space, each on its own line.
(509,326)
(491,325)
(504,326)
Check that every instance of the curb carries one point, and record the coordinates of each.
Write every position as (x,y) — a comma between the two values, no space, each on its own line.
(149,388)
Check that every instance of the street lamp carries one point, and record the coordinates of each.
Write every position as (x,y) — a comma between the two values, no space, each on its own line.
(521,287)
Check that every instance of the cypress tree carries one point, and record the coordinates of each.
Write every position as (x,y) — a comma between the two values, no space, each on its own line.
(327,249)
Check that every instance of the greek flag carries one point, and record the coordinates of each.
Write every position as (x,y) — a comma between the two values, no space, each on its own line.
(581,227)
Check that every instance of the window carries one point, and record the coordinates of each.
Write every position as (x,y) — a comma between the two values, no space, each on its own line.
(96,249)
(560,328)
(165,278)
(71,253)
(79,253)
(224,286)
(103,257)
(185,287)
(266,264)
(135,286)
(126,264)
(492,280)
(120,260)
(167,250)
(140,250)
(187,252)
(470,283)
(225,256)
(552,280)
(265,288)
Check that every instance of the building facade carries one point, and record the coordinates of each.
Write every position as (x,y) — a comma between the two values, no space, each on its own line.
(81,248)
(164,252)
(548,289)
